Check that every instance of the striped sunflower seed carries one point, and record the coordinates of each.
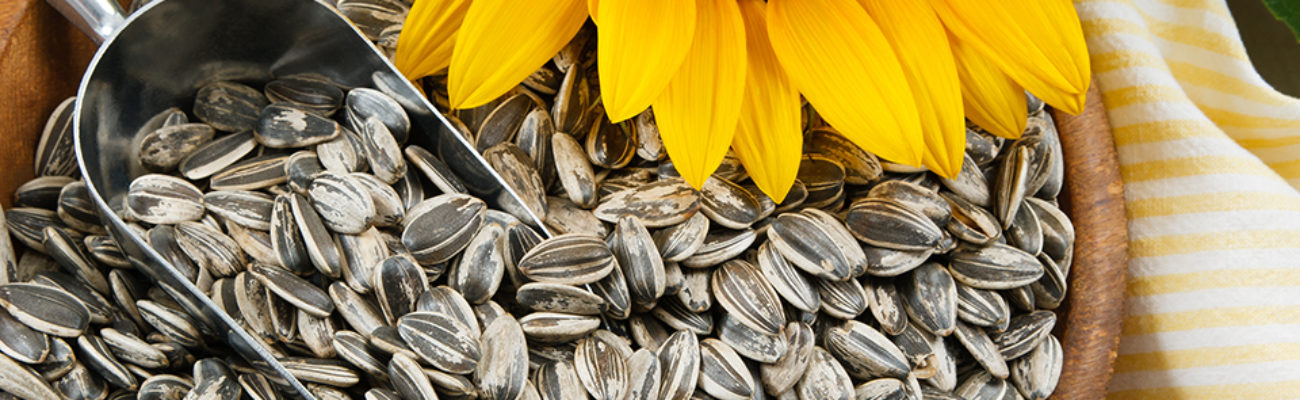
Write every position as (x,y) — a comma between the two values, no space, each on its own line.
(1036,374)
(71,254)
(554,297)
(746,295)
(721,245)
(679,361)
(825,378)
(929,296)
(342,203)
(164,148)
(283,126)
(478,273)
(41,192)
(217,155)
(321,248)
(45,309)
(557,380)
(503,367)
(212,250)
(441,341)
(228,106)
(866,352)
(259,172)
(295,290)
(680,241)
(319,96)
(574,171)
(440,227)
(573,259)
(250,209)
(643,375)
(164,387)
(996,267)
(551,327)
(723,373)
(362,254)
(892,224)
(162,199)
(729,204)
(980,347)
(752,344)
(96,355)
(1024,333)
(21,342)
(399,284)
(658,204)
(54,152)
(809,245)
(782,375)
(77,210)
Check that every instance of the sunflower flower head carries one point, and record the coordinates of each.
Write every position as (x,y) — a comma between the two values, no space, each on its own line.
(898,78)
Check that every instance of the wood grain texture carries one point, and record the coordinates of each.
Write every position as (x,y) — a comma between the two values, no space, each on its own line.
(1089,321)
(42,58)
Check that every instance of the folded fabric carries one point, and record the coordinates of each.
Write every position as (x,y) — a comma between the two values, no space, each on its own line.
(1210,157)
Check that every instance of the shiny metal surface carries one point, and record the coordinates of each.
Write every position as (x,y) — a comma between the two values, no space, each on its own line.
(166,50)
(98,19)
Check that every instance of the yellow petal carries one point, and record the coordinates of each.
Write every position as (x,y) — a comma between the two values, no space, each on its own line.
(501,42)
(698,111)
(992,100)
(592,6)
(919,39)
(838,58)
(424,47)
(768,141)
(1037,43)
(639,47)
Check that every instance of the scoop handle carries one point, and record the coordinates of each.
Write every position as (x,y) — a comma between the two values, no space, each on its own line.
(98,19)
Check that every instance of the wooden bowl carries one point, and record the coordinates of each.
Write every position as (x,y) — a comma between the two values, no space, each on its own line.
(43,57)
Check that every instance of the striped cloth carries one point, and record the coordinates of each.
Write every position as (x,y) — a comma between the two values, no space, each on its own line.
(1210,156)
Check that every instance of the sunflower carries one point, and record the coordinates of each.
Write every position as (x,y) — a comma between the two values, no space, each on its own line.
(897,77)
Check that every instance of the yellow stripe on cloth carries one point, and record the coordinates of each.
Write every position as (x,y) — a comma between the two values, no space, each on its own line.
(1207,149)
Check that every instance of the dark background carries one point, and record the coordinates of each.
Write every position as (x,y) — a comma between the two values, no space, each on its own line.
(1271,46)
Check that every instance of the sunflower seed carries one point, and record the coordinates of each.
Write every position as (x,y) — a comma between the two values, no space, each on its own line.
(891,224)
(212,250)
(719,246)
(164,148)
(551,327)
(752,344)
(440,227)
(342,203)
(289,245)
(22,343)
(672,313)
(679,361)
(260,172)
(162,199)
(503,368)
(79,383)
(54,152)
(58,362)
(42,192)
(445,300)
(553,297)
(983,386)
(257,387)
(353,348)
(321,248)
(729,204)
(823,179)
(501,124)
(782,375)
(696,293)
(635,251)
(321,97)
(1012,178)
(562,216)
(1025,233)
(866,352)
(658,204)
(886,305)
(929,295)
(978,344)
(613,289)
(997,267)
(1025,333)
(1036,374)
(723,374)
(132,349)
(572,259)
(317,334)
(71,254)
(96,355)
(164,387)
(382,151)
(100,310)
(76,210)
(574,171)
(284,126)
(324,371)
(810,246)
(843,299)
(342,154)
(228,106)
(399,283)
(970,184)
(1049,291)
(45,309)
(440,341)
(1058,231)
(881,389)
(217,155)
(860,167)
(742,290)
(981,307)
(478,273)
(250,209)
(610,145)
(519,174)
(825,378)
(362,255)
(295,290)
(972,223)
(175,325)
(680,241)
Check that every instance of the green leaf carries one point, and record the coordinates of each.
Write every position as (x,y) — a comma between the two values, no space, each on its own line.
(1287,11)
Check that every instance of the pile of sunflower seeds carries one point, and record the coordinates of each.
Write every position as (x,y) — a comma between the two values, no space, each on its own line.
(365,268)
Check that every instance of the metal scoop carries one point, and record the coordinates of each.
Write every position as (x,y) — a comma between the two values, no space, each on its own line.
(158,58)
